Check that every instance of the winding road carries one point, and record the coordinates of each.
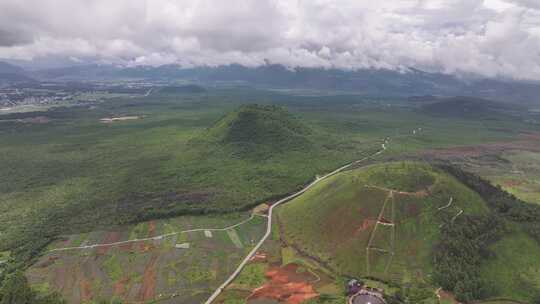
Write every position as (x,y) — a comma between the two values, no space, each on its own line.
(241,266)
(269,223)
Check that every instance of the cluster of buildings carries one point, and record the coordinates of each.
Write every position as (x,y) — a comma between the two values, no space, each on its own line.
(15,96)
(360,293)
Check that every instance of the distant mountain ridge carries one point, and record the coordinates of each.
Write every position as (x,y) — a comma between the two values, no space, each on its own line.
(12,74)
(369,82)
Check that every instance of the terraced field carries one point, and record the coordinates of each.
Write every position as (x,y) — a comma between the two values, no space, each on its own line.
(177,268)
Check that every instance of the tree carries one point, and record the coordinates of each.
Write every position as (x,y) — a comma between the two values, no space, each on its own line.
(16,290)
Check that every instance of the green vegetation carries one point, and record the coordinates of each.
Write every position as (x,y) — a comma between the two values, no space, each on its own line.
(516,171)
(16,290)
(113,268)
(198,153)
(516,259)
(334,220)
(259,131)
(512,235)
(76,174)
(155,267)
(469,107)
(471,247)
(460,253)
(252,275)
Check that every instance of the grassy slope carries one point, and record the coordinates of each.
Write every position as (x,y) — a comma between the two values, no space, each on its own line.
(326,221)
(514,272)
(523,178)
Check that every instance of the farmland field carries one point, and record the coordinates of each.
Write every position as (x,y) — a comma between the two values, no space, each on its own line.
(183,267)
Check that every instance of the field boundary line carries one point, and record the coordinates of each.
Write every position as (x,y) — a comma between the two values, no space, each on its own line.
(372,235)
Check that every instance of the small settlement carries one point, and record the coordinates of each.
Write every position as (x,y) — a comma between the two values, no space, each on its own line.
(359,293)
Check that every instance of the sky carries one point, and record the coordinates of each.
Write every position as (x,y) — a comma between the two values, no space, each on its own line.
(493,38)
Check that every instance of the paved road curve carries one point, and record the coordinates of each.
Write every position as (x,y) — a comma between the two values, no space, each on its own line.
(269,223)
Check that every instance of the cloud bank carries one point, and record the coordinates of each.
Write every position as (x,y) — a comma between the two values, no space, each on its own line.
(494,38)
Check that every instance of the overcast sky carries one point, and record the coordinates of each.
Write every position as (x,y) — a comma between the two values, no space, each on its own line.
(486,37)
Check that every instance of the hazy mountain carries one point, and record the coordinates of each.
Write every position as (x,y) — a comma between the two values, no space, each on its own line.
(12,74)
(368,81)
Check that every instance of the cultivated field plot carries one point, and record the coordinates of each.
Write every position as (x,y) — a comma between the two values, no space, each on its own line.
(175,268)
(519,174)
(514,164)
(279,274)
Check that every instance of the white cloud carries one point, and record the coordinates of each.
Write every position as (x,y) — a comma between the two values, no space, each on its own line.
(486,37)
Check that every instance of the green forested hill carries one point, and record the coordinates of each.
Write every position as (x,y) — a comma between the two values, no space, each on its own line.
(409,224)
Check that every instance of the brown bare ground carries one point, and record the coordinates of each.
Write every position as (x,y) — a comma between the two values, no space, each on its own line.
(151,228)
(148,288)
(48,262)
(525,141)
(286,285)
(512,183)
(111,237)
(366,224)
(126,247)
(445,295)
(85,289)
(259,257)
(119,288)
(145,246)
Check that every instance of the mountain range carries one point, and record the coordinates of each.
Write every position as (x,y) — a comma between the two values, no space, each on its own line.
(369,82)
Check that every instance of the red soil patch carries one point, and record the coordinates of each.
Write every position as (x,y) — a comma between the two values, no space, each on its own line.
(366,224)
(111,237)
(48,262)
(259,257)
(119,288)
(126,247)
(512,183)
(148,288)
(445,295)
(421,193)
(145,246)
(526,141)
(285,285)
(85,290)
(151,228)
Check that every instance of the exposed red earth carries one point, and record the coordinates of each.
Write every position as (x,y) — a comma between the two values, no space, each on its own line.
(85,288)
(286,285)
(259,257)
(366,224)
(111,237)
(148,288)
(525,141)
